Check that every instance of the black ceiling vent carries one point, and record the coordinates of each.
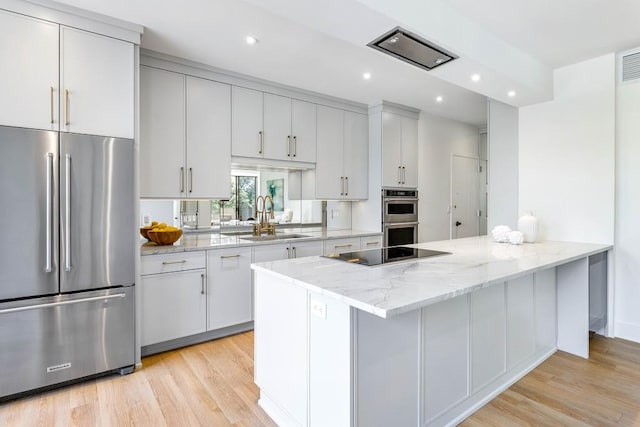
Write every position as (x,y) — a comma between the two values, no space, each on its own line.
(412,48)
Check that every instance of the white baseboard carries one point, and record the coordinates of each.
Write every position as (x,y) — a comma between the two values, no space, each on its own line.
(277,414)
(628,331)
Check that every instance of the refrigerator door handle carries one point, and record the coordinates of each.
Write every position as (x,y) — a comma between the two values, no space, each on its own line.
(56,304)
(67,216)
(49,214)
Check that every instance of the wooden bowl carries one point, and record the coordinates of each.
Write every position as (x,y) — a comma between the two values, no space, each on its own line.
(145,230)
(164,237)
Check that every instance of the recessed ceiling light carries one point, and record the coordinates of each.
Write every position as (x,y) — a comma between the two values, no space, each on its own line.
(251,40)
(439,61)
(393,39)
(475,77)
(511,93)
(439,99)
(366,76)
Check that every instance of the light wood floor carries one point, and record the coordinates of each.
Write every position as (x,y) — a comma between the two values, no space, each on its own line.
(211,384)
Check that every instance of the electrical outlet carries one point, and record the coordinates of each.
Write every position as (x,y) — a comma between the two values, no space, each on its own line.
(319,309)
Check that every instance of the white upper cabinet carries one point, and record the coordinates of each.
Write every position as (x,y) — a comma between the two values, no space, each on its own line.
(278,141)
(303,130)
(399,151)
(246,117)
(329,160)
(342,155)
(29,72)
(61,78)
(356,155)
(162,134)
(273,127)
(185,136)
(208,139)
(97,84)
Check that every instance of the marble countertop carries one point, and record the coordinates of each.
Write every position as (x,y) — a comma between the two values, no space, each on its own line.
(395,288)
(203,241)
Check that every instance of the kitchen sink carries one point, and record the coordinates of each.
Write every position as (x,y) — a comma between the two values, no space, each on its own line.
(276,237)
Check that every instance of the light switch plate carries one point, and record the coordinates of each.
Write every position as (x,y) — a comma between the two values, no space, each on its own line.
(319,309)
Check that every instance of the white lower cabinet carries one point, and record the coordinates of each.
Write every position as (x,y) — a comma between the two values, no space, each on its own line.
(264,253)
(370,242)
(336,246)
(174,305)
(230,293)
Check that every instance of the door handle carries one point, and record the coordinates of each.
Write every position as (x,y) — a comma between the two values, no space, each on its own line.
(399,175)
(190,180)
(260,141)
(404,175)
(202,280)
(229,256)
(289,146)
(346,185)
(57,304)
(67,219)
(295,146)
(458,223)
(51,102)
(342,185)
(49,214)
(66,107)
(182,179)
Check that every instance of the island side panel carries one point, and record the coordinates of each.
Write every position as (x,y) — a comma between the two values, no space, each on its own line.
(573,307)
(445,355)
(546,310)
(281,343)
(387,369)
(520,320)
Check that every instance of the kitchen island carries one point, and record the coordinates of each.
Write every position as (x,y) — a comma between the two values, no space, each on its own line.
(418,342)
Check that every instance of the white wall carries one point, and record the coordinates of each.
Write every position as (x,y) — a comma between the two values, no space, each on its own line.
(502,135)
(627,231)
(567,155)
(438,140)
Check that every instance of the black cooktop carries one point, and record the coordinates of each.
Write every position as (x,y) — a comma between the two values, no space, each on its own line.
(372,257)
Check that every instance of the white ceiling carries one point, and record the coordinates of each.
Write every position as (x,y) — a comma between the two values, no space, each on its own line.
(321,45)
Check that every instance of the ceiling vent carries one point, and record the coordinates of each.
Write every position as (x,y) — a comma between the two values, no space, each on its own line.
(412,48)
(630,66)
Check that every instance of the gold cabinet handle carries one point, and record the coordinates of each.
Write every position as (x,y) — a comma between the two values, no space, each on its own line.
(66,107)
(51,103)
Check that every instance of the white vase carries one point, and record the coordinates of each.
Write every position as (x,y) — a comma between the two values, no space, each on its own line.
(528,226)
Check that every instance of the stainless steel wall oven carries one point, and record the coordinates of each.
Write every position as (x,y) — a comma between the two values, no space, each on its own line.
(399,216)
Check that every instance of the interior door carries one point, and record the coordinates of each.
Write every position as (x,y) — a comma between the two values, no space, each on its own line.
(96,212)
(28,212)
(465,187)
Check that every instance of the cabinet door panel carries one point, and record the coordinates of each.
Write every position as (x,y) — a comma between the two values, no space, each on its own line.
(29,72)
(356,155)
(488,335)
(391,149)
(173,306)
(303,128)
(230,293)
(520,320)
(329,161)
(264,253)
(410,152)
(208,139)
(305,249)
(162,134)
(336,246)
(246,118)
(98,72)
(278,142)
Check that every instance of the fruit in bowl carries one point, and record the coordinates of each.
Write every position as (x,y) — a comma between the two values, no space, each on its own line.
(145,230)
(164,234)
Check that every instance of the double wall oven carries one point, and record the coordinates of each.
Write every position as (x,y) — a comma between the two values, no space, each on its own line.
(399,216)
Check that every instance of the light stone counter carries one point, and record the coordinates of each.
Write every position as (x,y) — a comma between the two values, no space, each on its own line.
(204,241)
(399,287)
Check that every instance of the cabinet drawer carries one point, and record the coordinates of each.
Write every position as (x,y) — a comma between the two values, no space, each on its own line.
(336,246)
(370,242)
(165,263)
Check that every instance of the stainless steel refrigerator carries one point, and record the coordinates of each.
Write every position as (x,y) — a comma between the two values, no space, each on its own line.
(67,261)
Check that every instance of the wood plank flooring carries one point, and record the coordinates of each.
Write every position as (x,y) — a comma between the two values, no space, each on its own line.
(211,384)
